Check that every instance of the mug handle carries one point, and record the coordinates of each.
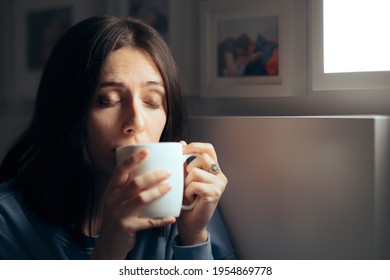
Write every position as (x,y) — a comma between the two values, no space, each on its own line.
(192,205)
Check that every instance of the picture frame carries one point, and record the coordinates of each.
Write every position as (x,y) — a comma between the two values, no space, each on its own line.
(266,26)
(36,26)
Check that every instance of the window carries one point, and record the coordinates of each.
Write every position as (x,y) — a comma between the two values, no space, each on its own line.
(350,45)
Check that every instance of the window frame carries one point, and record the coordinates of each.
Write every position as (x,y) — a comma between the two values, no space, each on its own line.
(320,81)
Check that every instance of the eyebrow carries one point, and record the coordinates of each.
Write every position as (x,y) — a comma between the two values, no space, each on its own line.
(154,83)
(121,85)
(111,84)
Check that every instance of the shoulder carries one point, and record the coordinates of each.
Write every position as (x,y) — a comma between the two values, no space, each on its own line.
(11,246)
(6,191)
(9,204)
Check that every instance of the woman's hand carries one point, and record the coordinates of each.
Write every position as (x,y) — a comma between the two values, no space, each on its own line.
(205,186)
(125,195)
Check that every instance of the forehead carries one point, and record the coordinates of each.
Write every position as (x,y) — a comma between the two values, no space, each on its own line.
(128,61)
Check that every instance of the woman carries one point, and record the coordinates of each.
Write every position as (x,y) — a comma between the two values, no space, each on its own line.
(108,82)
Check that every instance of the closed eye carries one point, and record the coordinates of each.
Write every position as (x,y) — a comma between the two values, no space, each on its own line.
(153,98)
(107,102)
(152,105)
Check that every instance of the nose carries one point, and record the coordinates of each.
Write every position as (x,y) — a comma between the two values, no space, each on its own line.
(133,119)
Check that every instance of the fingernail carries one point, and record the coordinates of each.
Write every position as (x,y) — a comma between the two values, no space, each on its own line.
(142,153)
(167,186)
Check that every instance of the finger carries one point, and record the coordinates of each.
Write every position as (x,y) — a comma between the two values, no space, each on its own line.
(206,179)
(128,209)
(200,148)
(123,172)
(146,223)
(149,179)
(143,182)
(206,192)
(131,207)
(131,197)
(205,162)
(199,175)
(148,195)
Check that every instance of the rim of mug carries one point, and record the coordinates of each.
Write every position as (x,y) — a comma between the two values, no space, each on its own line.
(148,144)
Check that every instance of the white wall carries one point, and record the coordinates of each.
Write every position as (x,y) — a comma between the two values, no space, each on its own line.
(303,187)
(185,28)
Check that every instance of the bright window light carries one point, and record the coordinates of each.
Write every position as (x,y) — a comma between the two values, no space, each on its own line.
(356,36)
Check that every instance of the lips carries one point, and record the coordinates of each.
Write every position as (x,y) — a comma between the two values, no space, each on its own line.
(134,142)
(126,144)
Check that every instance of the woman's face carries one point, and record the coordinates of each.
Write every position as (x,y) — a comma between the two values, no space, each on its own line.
(128,108)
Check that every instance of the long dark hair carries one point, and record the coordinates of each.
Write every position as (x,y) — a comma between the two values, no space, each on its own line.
(50,161)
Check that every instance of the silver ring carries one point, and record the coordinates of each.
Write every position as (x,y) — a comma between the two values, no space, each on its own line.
(215,168)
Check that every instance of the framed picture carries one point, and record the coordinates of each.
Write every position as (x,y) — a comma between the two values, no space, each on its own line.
(36,26)
(244,48)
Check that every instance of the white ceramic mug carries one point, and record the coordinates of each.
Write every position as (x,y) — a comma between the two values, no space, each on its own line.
(163,156)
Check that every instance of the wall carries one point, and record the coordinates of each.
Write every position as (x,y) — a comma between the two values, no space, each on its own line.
(319,103)
(303,101)
(186,47)
(305,187)
(16,108)
(185,22)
